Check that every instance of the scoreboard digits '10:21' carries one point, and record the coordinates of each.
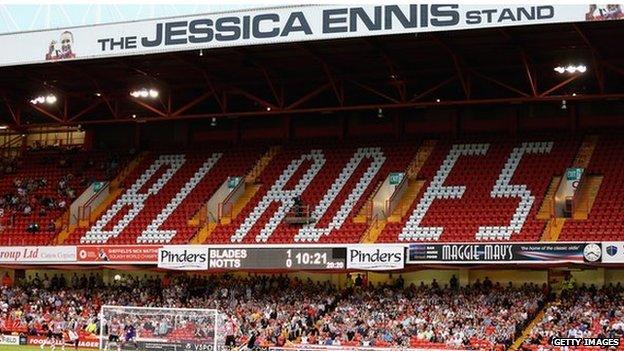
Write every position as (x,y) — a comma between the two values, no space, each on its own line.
(278,258)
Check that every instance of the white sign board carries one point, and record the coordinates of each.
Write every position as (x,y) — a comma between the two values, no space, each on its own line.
(183,257)
(613,252)
(37,254)
(279,25)
(9,340)
(375,257)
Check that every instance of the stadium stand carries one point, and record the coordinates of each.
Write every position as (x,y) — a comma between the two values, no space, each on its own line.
(38,188)
(606,219)
(483,190)
(162,194)
(502,182)
(334,180)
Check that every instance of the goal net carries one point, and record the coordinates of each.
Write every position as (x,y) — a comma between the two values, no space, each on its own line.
(167,329)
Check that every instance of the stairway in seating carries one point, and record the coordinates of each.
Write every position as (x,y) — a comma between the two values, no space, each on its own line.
(203,234)
(527,330)
(116,187)
(546,210)
(64,234)
(411,193)
(587,196)
(123,174)
(553,229)
(586,150)
(421,157)
(250,183)
(413,186)
(374,229)
(115,190)
(195,220)
(250,190)
(252,176)
(591,184)
(362,216)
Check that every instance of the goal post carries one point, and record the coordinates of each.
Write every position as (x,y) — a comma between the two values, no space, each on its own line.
(163,328)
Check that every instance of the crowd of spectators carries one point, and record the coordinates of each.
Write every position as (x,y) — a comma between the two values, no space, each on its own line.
(583,312)
(481,315)
(277,310)
(34,194)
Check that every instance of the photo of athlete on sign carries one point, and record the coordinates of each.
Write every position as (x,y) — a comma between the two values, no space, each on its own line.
(64,51)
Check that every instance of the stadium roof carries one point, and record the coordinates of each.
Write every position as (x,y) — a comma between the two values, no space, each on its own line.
(483,66)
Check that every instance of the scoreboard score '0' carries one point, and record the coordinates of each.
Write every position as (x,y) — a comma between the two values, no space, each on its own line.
(278,258)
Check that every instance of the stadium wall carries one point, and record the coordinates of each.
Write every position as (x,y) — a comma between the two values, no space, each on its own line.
(336,279)
(592,276)
(30,273)
(516,277)
(598,276)
(107,275)
(426,276)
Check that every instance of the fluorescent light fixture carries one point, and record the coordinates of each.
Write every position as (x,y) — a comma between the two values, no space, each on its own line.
(144,93)
(49,99)
(571,69)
